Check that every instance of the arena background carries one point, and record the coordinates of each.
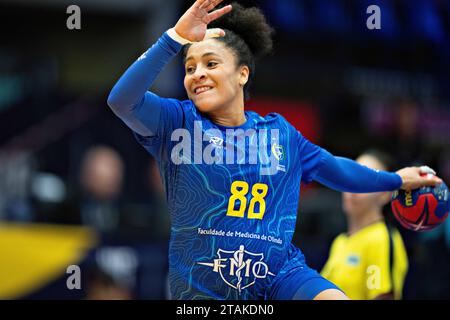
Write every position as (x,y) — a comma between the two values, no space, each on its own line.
(76,189)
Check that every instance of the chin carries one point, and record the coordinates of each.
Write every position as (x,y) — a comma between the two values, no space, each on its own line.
(349,210)
(205,105)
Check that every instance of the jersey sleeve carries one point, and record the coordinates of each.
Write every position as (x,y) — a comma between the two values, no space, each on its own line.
(346,175)
(311,158)
(152,118)
(340,173)
(130,99)
(170,118)
(326,270)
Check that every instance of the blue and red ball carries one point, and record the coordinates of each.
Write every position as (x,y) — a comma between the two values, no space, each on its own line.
(421,209)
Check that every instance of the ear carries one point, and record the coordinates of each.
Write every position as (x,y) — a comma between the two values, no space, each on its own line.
(244,74)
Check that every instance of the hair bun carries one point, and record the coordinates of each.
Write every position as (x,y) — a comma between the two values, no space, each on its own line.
(251,25)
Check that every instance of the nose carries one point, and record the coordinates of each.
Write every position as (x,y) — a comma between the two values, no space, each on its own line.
(199,74)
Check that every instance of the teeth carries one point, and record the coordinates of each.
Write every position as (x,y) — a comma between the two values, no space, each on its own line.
(202,89)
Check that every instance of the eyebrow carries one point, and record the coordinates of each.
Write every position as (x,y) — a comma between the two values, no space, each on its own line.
(204,55)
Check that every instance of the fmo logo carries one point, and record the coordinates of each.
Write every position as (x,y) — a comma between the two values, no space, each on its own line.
(239,269)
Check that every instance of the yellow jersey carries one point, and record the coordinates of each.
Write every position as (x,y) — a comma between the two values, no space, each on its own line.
(363,266)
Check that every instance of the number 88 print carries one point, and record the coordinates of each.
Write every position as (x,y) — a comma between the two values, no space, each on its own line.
(239,190)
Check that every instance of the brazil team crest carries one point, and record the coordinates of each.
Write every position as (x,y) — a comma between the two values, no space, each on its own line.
(278,151)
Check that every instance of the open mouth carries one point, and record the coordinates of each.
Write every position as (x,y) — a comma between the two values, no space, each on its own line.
(202,89)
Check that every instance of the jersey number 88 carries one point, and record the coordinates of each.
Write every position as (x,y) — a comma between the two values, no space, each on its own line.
(239,190)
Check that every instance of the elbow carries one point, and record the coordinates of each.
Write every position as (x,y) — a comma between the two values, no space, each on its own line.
(112,101)
(117,104)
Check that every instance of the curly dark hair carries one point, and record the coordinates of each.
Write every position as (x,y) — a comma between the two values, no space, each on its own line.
(248,34)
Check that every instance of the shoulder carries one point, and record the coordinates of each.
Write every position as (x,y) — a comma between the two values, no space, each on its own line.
(339,241)
(274,117)
(270,119)
(184,108)
(376,237)
(184,104)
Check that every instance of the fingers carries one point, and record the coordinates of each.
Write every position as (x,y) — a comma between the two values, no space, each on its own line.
(430,176)
(200,3)
(220,12)
(210,4)
(432,180)
(438,181)
(418,177)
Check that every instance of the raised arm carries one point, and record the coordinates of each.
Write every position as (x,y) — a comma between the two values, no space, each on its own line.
(346,175)
(129,98)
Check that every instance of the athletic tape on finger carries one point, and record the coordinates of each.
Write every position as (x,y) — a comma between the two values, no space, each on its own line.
(427,169)
(213,33)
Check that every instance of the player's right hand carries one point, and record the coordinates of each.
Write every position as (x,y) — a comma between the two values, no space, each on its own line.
(193,24)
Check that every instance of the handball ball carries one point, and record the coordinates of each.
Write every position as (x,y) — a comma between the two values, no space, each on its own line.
(421,209)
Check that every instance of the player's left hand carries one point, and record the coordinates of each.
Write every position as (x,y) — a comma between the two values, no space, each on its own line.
(193,24)
(417,177)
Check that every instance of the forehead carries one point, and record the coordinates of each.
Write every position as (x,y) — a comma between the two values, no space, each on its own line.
(198,49)
(371,162)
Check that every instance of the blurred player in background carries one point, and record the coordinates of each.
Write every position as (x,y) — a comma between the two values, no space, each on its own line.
(232,223)
(369,261)
(101,177)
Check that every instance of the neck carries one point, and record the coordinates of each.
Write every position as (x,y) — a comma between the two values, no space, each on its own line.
(233,119)
(232,115)
(360,222)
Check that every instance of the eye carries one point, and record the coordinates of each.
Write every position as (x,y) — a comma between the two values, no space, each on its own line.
(190,69)
(212,64)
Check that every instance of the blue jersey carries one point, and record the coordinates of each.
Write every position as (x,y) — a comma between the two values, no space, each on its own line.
(233,218)
(232,224)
